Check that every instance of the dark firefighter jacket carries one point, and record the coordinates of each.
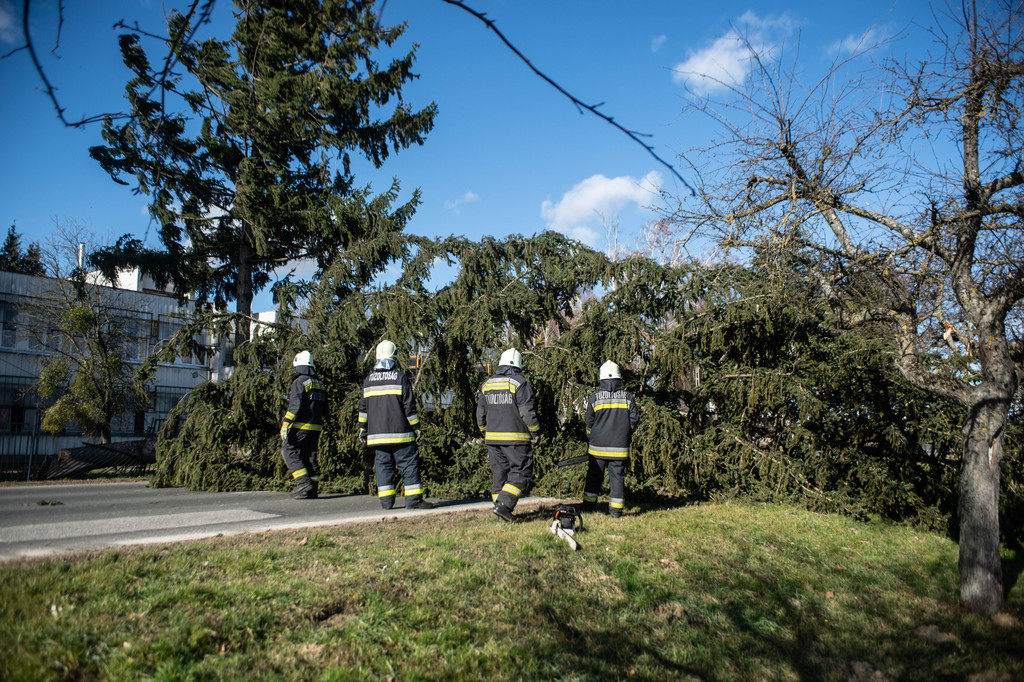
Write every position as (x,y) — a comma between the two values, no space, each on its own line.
(611,416)
(505,410)
(306,401)
(387,409)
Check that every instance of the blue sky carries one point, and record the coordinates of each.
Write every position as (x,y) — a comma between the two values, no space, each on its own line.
(508,154)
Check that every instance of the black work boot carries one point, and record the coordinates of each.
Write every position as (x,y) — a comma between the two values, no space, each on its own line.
(314,479)
(502,512)
(419,504)
(303,488)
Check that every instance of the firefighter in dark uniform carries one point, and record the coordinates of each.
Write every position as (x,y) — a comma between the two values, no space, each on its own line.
(611,417)
(389,424)
(506,416)
(300,429)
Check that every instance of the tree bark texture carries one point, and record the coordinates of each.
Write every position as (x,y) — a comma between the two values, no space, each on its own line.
(981,575)
(243,290)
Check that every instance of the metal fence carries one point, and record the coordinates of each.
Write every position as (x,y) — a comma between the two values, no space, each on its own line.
(24,456)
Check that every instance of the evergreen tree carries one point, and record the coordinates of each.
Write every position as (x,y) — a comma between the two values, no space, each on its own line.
(12,259)
(255,172)
(747,384)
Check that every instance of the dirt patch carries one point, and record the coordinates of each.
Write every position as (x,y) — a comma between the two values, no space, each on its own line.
(991,676)
(864,672)
(931,633)
(1005,620)
(670,612)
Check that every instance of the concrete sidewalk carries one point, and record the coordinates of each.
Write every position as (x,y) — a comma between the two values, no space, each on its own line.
(45,520)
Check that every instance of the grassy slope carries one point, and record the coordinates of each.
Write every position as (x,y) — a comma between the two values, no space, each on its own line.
(710,592)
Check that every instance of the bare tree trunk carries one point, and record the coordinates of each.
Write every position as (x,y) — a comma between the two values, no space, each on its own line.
(981,573)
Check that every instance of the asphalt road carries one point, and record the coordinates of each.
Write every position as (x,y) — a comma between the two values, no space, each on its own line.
(46,520)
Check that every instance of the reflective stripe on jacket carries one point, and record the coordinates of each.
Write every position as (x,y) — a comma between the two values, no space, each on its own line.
(611,416)
(306,402)
(505,409)
(387,408)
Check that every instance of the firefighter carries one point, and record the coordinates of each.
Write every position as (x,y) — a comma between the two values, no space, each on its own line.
(611,417)
(301,427)
(506,416)
(389,424)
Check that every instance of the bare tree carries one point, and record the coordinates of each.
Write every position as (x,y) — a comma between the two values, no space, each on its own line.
(904,192)
(661,241)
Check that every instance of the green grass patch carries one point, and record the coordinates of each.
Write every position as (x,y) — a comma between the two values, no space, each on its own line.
(712,592)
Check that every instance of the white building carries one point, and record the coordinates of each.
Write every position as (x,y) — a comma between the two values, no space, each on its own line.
(151,314)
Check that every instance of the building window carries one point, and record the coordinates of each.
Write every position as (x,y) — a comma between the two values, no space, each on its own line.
(166,398)
(37,333)
(136,339)
(169,326)
(8,324)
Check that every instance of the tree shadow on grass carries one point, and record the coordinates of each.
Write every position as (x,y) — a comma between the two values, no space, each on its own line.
(595,653)
(1012,568)
(771,622)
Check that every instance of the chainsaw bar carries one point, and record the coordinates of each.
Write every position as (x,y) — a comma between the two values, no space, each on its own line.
(566,534)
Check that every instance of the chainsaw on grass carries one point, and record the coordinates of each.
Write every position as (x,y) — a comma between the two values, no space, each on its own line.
(566,524)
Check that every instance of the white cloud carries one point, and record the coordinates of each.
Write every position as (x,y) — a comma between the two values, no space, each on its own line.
(8,23)
(657,42)
(726,61)
(304,268)
(456,206)
(584,235)
(855,43)
(581,210)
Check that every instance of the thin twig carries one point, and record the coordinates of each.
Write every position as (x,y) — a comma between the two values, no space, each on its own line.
(632,134)
(51,92)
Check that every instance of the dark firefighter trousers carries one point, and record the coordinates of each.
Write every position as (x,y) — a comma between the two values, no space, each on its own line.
(616,482)
(511,472)
(405,458)
(300,456)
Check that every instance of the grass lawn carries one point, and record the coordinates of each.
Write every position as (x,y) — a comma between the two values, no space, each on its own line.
(710,592)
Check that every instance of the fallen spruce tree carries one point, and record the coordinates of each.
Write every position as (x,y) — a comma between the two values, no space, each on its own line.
(747,386)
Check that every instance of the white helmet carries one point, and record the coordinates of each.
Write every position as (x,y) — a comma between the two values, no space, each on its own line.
(386,350)
(610,370)
(512,357)
(303,358)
